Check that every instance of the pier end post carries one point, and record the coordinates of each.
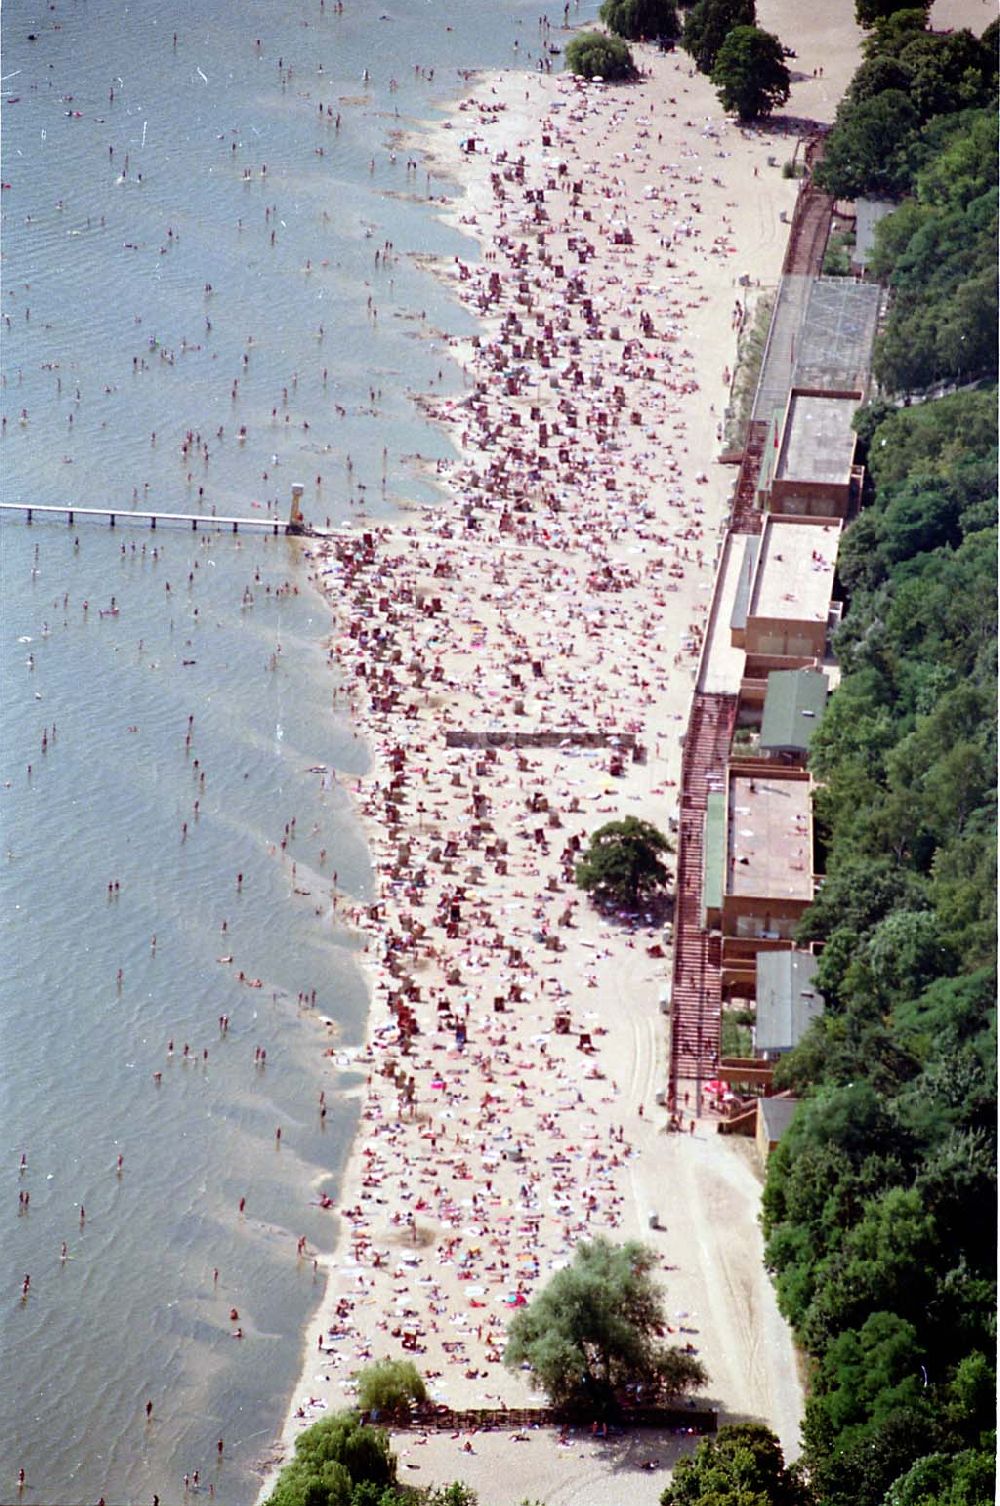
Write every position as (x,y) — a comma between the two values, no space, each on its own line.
(295,519)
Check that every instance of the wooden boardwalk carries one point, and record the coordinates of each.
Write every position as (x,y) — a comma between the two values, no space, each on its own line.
(29,512)
(696,992)
(696,985)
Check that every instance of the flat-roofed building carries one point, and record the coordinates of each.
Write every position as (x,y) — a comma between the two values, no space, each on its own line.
(815,474)
(791,593)
(722,659)
(768,873)
(787,1000)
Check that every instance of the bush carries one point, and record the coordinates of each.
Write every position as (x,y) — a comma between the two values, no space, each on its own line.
(837,257)
(391,1388)
(594,55)
(332,1459)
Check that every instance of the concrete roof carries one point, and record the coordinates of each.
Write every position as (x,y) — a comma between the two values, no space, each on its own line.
(869,212)
(722,665)
(794,577)
(793,708)
(769,851)
(787,1003)
(741,601)
(818,441)
(835,338)
(821,336)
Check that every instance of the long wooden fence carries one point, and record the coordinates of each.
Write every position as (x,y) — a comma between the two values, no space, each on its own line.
(698,1420)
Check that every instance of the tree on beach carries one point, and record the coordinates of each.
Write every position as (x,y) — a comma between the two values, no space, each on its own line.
(339,1461)
(741,1466)
(594,1331)
(641,20)
(623,865)
(391,1388)
(592,54)
(869,13)
(750,74)
(708,25)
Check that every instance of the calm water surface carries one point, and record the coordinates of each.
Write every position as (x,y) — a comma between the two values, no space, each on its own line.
(189,248)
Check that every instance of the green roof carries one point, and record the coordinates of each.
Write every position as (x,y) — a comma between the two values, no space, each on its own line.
(713,853)
(794,703)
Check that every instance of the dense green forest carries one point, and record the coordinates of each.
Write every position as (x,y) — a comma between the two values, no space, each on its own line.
(919,120)
(880,1204)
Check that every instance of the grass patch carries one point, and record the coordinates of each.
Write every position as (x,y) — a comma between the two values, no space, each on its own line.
(837,257)
(736,1036)
(749,359)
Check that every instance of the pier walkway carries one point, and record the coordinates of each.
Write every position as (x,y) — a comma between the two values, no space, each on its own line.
(69,513)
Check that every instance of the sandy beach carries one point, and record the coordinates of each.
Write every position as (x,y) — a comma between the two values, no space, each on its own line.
(624,236)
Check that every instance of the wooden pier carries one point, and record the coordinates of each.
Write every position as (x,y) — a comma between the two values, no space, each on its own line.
(113,516)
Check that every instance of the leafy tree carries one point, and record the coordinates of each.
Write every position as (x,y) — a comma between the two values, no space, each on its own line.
(709,23)
(592,1331)
(948,73)
(938,250)
(750,74)
(391,1388)
(964,1479)
(895,32)
(868,1374)
(861,1469)
(962,166)
(857,894)
(334,1459)
(875,76)
(867,152)
(905,952)
(870,13)
(932,439)
(881,1253)
(622,864)
(641,20)
(886,1257)
(591,54)
(741,1466)
(971,1399)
